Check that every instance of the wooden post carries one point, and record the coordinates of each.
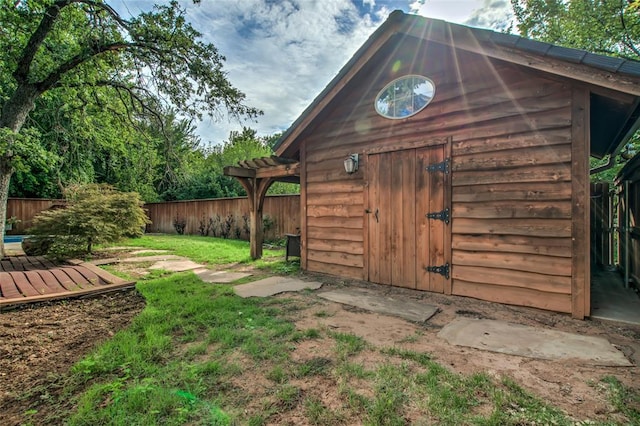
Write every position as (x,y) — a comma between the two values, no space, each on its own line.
(256,190)
(580,232)
(256,180)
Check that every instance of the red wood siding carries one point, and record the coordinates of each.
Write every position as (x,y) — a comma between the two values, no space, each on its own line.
(512,192)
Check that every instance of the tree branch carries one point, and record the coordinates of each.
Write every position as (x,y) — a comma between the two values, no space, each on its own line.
(49,18)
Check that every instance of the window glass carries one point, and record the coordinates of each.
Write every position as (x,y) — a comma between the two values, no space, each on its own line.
(405,96)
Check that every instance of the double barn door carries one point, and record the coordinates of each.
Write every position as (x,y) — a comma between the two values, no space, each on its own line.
(408,219)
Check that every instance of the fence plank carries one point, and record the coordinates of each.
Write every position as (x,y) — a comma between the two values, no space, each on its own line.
(281,211)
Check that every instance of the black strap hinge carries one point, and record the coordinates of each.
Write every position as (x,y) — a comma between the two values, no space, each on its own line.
(439,167)
(442,269)
(442,215)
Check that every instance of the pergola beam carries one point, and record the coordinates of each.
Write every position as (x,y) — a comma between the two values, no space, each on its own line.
(256,176)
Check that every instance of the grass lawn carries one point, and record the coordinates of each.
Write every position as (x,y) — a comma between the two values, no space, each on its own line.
(201,249)
(198,354)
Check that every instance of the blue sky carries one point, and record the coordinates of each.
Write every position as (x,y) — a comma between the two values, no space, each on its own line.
(282,53)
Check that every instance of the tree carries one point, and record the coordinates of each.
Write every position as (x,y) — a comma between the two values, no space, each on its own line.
(94,214)
(608,27)
(148,62)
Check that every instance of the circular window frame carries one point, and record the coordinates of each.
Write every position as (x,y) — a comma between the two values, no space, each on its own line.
(391,84)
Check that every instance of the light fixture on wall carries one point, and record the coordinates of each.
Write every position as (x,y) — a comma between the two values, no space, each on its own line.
(351,163)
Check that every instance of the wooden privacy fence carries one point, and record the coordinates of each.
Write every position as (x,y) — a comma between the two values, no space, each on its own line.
(25,209)
(216,216)
(281,215)
(628,196)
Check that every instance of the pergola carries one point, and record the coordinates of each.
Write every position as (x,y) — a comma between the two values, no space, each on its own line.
(256,176)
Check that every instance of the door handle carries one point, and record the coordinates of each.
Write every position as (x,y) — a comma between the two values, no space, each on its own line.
(376,215)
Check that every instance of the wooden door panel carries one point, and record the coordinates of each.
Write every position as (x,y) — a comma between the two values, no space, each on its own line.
(382,214)
(402,206)
(423,228)
(436,227)
(402,240)
(372,224)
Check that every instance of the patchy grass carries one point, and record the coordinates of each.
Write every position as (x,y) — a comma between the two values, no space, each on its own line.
(198,354)
(173,364)
(201,249)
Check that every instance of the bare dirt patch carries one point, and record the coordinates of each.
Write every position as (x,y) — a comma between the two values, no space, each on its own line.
(40,342)
(570,385)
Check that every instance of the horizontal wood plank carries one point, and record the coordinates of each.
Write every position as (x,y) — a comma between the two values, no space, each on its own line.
(335,222)
(546,173)
(544,138)
(336,270)
(499,160)
(355,198)
(336,258)
(336,210)
(527,227)
(340,246)
(513,244)
(343,186)
(512,278)
(513,296)
(344,234)
(549,265)
(513,192)
(513,209)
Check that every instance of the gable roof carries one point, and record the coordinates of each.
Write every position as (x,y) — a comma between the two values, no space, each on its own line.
(615,103)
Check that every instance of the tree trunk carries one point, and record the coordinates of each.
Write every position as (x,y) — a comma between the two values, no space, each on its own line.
(5,177)
(14,114)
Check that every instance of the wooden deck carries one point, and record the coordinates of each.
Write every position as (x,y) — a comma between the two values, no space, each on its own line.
(26,279)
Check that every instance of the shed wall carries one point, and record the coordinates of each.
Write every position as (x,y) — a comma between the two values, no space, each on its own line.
(511,190)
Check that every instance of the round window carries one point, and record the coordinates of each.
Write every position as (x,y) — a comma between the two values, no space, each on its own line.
(405,96)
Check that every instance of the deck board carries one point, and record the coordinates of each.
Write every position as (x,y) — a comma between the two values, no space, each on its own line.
(26,279)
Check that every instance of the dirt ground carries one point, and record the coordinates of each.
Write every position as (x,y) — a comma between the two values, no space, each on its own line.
(39,343)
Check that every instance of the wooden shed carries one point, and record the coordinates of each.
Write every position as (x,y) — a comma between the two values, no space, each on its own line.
(471,151)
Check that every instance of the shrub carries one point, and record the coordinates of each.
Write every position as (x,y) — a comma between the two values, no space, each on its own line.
(94,214)
(179,223)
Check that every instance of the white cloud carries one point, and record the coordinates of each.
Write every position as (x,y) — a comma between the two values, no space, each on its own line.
(282,53)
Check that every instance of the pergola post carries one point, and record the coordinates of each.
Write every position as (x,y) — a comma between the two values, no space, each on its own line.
(256,176)
(256,190)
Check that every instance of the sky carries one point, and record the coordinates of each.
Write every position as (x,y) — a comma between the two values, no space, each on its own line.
(282,53)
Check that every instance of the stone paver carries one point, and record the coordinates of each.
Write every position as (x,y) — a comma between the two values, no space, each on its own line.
(522,340)
(148,251)
(219,277)
(274,285)
(176,265)
(411,310)
(155,258)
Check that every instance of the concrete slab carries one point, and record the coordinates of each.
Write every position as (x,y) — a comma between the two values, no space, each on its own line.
(411,310)
(219,277)
(610,300)
(148,251)
(155,258)
(522,340)
(176,265)
(274,285)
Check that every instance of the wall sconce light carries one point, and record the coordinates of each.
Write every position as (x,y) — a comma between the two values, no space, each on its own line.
(351,163)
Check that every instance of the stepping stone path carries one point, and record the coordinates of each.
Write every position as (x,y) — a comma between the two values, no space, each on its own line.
(531,342)
(219,277)
(274,285)
(176,265)
(411,310)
